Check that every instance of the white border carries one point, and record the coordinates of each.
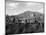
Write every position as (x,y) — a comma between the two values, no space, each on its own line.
(2,17)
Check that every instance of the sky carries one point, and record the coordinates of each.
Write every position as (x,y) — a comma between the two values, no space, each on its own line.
(18,7)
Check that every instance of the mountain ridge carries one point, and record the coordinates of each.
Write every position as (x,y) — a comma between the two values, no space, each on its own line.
(28,14)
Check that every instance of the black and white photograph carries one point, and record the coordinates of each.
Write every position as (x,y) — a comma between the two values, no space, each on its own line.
(24,17)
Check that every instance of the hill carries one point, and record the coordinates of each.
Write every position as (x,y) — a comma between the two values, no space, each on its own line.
(30,14)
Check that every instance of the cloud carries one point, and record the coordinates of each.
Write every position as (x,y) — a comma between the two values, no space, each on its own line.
(34,6)
(15,8)
(28,4)
(13,4)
